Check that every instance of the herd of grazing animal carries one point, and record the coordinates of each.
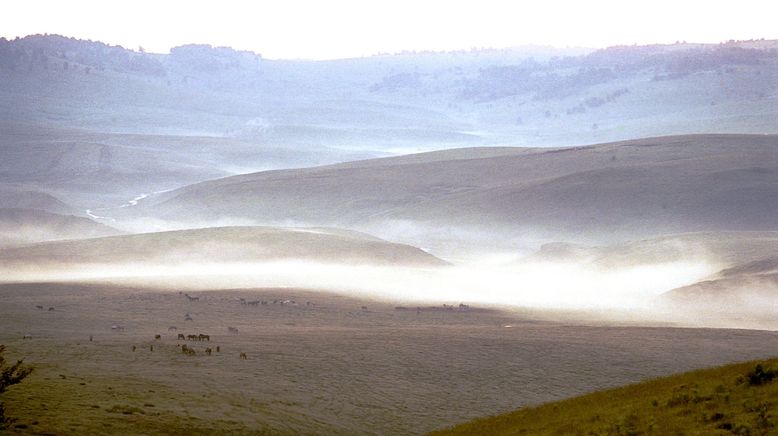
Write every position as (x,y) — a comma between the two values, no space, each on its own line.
(244,302)
(186,349)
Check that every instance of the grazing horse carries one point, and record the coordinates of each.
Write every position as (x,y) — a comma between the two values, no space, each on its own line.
(191,298)
(218,349)
(208,351)
(39,307)
(188,350)
(202,337)
(243,356)
(133,348)
(191,337)
(181,336)
(157,337)
(27,336)
(232,329)
(51,309)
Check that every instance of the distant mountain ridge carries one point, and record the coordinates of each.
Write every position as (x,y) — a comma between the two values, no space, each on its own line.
(412,101)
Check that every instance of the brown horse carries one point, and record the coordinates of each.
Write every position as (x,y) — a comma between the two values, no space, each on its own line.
(243,356)
(181,336)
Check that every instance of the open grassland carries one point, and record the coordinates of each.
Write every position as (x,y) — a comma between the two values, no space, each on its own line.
(734,399)
(338,365)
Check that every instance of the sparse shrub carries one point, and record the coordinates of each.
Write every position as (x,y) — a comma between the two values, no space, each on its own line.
(760,375)
(9,376)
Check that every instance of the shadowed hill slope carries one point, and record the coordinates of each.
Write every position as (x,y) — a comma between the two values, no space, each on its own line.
(632,188)
(18,226)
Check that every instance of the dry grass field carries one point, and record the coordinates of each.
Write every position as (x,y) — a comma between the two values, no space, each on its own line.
(331,366)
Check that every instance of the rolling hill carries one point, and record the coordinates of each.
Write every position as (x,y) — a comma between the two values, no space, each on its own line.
(409,101)
(22,226)
(732,399)
(16,197)
(615,191)
(93,169)
(221,244)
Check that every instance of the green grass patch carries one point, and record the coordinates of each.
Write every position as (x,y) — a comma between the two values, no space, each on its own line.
(734,399)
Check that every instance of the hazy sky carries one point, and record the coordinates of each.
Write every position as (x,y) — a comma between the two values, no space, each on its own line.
(345,28)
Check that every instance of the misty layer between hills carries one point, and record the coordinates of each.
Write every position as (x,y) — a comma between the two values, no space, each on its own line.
(647,280)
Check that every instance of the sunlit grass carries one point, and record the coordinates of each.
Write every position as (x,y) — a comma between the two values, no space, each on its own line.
(733,399)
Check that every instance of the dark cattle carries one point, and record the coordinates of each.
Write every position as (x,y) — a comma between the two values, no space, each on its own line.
(181,336)
(157,337)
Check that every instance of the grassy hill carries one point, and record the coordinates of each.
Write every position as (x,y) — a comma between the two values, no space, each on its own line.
(19,226)
(625,189)
(225,244)
(732,399)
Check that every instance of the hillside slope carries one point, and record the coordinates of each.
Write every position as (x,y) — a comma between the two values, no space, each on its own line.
(730,399)
(222,244)
(19,226)
(626,189)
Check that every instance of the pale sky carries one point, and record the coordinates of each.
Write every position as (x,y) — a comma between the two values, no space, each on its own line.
(330,29)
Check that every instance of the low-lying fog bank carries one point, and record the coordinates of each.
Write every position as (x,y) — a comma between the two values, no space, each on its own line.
(624,294)
(724,279)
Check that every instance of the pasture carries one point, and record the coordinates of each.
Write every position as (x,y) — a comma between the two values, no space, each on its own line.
(299,361)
